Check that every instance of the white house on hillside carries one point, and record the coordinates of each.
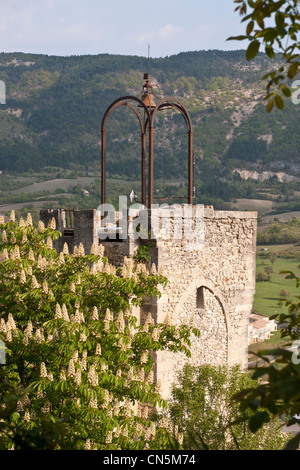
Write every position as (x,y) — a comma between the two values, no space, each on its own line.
(260,328)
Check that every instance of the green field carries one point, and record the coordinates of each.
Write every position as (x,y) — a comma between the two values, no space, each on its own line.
(267,292)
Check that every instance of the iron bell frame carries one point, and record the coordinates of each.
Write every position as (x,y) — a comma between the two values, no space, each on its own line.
(146,117)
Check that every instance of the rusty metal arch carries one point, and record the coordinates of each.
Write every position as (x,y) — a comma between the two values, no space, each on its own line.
(124,101)
(171,102)
(147,122)
(174,102)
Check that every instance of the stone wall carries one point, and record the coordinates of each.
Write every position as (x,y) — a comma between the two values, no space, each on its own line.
(212,345)
(224,266)
(76,226)
(211,282)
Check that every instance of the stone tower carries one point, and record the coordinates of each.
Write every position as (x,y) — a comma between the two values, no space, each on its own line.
(211,281)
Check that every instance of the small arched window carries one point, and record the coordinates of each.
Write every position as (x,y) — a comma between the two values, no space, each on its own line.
(200,297)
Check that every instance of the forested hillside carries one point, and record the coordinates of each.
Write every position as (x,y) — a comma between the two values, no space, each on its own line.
(55,105)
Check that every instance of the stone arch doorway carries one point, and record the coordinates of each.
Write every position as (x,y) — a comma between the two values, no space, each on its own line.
(205,307)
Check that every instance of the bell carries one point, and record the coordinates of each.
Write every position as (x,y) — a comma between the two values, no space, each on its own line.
(148,100)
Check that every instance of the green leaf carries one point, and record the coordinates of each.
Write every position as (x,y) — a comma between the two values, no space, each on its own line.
(269,35)
(279,102)
(270,105)
(293,443)
(279,18)
(286,91)
(237,38)
(250,27)
(270,52)
(266,76)
(293,70)
(258,420)
(252,50)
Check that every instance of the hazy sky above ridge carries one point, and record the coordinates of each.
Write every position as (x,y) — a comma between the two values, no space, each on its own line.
(73,27)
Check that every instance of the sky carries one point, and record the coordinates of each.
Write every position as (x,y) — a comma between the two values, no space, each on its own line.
(126,27)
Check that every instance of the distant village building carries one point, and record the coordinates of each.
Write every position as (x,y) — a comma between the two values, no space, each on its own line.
(260,328)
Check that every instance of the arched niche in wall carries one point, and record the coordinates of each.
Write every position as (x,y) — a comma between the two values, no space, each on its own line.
(204,306)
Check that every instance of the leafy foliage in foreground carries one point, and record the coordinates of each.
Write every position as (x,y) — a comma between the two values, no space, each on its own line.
(78,369)
(203,409)
(273,25)
(278,395)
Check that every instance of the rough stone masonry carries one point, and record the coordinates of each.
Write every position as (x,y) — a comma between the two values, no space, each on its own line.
(211,283)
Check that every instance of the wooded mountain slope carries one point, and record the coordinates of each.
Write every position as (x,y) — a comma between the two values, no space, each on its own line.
(55,105)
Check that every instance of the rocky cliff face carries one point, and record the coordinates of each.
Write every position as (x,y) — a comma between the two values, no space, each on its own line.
(266,175)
